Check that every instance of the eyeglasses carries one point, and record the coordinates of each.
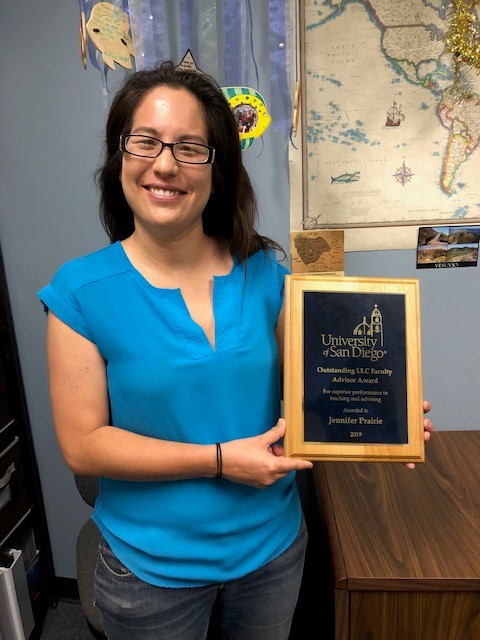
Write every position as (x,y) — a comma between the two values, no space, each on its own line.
(148,147)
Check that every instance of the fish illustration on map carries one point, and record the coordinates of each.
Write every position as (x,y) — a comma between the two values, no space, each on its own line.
(346,177)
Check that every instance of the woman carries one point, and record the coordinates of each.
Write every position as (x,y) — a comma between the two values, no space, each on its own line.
(164,375)
(164,371)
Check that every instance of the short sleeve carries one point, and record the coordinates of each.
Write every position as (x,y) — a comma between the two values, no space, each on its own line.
(59,297)
(281,273)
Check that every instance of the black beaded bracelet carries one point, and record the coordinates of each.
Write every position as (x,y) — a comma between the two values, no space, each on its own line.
(219,460)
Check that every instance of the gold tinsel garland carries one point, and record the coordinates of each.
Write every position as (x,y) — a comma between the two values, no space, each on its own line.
(463,41)
(463,37)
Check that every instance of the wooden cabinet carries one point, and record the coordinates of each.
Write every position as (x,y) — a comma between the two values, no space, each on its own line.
(22,515)
(402,546)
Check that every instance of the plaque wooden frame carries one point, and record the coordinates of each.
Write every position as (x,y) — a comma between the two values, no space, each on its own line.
(295,444)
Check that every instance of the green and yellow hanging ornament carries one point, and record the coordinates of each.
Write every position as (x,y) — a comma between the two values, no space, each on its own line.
(250,111)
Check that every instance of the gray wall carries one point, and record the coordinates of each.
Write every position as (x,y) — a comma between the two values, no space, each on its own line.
(52,117)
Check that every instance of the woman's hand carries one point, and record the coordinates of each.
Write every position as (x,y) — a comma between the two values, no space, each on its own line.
(259,461)
(427,428)
(427,423)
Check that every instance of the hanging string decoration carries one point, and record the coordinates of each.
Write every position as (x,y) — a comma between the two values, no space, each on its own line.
(279,53)
(222,35)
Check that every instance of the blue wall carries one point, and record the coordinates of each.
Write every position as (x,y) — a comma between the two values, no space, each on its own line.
(52,118)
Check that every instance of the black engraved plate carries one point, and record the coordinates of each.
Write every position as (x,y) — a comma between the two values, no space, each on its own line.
(355,378)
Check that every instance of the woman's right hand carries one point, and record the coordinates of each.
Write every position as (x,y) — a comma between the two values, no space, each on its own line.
(259,461)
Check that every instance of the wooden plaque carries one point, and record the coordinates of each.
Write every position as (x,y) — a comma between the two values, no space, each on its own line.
(353,383)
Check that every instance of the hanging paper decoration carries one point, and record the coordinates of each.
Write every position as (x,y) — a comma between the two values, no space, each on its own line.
(108,28)
(250,112)
(87,44)
(188,63)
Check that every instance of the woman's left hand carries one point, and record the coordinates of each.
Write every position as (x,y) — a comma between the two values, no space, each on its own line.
(427,428)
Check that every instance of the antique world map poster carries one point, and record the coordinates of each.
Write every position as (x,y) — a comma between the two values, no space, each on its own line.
(386,139)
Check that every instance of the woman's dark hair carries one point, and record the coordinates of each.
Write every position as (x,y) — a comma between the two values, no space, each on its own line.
(231,211)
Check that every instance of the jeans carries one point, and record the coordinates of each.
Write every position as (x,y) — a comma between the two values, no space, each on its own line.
(259,606)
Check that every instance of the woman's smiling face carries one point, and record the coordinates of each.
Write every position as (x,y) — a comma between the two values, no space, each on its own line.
(167,196)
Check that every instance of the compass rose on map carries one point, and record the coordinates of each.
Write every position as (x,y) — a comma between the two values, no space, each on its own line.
(403,174)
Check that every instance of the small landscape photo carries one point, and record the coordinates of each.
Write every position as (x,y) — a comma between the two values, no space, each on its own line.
(444,247)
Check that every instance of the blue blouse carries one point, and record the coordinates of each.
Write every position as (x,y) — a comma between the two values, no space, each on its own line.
(166,381)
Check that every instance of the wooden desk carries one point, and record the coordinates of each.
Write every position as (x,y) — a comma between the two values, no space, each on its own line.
(404,546)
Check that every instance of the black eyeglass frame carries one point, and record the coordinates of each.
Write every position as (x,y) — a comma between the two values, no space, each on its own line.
(171,145)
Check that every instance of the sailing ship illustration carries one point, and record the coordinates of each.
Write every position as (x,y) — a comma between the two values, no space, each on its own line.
(395,115)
